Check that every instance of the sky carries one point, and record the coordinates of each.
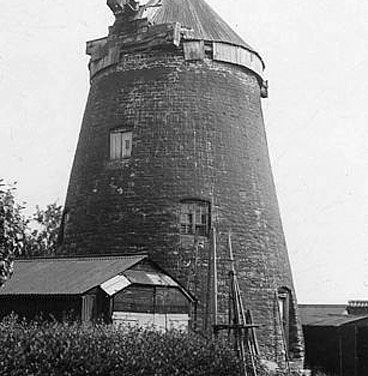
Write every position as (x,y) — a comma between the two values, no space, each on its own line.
(316,55)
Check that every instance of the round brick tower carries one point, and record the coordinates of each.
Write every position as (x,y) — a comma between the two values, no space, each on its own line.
(172,158)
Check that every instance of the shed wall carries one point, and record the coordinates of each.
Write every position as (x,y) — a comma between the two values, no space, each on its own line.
(45,307)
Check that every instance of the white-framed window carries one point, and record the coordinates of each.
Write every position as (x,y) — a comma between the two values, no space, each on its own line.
(120,144)
(195,218)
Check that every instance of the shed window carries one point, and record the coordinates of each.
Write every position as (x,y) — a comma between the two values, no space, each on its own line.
(195,218)
(120,144)
(151,299)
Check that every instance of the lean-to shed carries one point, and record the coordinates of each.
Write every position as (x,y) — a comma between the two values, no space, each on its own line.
(120,289)
(336,342)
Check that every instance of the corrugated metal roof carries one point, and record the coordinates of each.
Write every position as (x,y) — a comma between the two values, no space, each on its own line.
(196,15)
(150,278)
(122,281)
(327,315)
(67,276)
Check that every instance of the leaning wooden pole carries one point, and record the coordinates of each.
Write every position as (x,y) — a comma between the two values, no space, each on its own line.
(215,288)
(239,335)
(208,291)
(239,322)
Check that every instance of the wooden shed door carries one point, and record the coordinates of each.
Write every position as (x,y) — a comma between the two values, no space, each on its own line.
(88,304)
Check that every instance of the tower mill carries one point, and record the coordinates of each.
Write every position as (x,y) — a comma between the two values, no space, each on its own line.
(172,157)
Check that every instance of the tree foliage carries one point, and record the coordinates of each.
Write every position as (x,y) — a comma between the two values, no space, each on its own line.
(42,240)
(13,227)
(24,236)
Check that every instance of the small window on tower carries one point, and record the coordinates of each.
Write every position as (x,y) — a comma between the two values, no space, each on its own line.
(120,144)
(195,218)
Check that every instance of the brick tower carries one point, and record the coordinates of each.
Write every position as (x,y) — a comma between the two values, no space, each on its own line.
(172,157)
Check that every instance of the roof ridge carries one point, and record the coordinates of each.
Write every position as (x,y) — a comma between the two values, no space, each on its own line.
(82,258)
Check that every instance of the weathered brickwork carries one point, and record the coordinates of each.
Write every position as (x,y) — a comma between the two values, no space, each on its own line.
(198,133)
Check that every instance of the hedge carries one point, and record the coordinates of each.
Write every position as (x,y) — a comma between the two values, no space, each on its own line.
(42,348)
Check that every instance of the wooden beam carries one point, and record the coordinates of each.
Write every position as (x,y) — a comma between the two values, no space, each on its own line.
(215,291)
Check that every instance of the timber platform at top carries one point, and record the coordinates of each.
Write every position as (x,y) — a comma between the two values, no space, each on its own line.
(156,25)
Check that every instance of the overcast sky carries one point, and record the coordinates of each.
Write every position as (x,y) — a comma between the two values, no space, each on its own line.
(316,53)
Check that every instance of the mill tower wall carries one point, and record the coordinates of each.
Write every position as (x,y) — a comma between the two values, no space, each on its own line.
(192,108)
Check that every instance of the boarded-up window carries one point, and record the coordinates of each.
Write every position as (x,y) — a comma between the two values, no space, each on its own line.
(194,50)
(120,144)
(195,218)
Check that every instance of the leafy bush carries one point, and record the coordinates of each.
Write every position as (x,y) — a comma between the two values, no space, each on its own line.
(76,349)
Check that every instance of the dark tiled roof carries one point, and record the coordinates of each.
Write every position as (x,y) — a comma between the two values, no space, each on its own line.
(199,16)
(331,320)
(65,276)
(327,315)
